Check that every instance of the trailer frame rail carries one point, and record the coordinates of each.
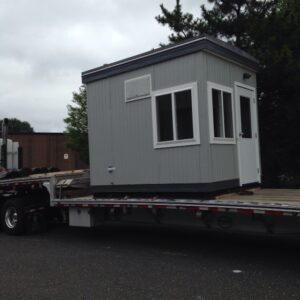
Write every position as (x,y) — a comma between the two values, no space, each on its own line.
(240,207)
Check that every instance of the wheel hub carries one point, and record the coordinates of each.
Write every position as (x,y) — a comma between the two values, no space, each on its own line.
(11,217)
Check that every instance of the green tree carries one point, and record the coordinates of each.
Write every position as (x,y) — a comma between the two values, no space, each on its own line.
(278,48)
(237,20)
(233,20)
(77,126)
(270,31)
(182,25)
(18,126)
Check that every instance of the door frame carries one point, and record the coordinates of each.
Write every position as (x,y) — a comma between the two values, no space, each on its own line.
(256,132)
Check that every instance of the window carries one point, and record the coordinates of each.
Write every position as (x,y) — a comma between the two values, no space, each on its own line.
(184,115)
(175,116)
(220,114)
(164,118)
(246,117)
(137,88)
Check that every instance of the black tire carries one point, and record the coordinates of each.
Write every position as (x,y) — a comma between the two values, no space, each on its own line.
(13,219)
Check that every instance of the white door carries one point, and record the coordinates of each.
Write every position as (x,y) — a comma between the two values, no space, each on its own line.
(247,134)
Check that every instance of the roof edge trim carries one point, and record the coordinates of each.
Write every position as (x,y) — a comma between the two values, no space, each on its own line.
(171,52)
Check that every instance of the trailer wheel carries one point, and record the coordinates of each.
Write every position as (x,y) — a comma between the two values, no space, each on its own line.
(13,217)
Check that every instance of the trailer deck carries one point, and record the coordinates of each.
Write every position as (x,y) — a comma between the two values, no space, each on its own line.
(70,196)
(69,191)
(258,201)
(39,178)
(258,196)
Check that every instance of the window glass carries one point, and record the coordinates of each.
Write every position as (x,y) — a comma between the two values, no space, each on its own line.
(164,118)
(246,117)
(228,124)
(176,122)
(222,114)
(184,116)
(217,113)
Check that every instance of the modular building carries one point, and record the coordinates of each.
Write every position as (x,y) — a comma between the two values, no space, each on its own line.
(178,119)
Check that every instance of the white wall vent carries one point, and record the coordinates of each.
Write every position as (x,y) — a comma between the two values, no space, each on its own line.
(138,88)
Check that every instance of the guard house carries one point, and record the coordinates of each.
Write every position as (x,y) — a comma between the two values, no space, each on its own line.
(180,119)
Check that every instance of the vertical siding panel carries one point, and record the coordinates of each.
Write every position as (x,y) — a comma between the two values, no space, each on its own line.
(121,133)
(224,163)
(134,158)
(179,164)
(99,123)
(222,160)
(218,70)
(132,138)
(175,72)
(204,153)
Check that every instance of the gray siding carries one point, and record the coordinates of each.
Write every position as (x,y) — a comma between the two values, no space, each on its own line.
(99,122)
(121,136)
(138,88)
(224,158)
(135,160)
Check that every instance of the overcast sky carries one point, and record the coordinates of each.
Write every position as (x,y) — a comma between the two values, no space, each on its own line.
(45,45)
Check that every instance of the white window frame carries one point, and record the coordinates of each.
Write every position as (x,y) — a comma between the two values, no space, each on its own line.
(139,97)
(222,88)
(195,115)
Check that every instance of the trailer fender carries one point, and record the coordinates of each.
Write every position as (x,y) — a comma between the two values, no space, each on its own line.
(47,186)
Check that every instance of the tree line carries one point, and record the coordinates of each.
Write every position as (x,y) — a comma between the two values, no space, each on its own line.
(17,126)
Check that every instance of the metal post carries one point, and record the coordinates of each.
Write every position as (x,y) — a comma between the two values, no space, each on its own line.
(3,162)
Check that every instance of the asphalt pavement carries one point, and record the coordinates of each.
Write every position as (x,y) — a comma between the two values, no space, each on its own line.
(148,262)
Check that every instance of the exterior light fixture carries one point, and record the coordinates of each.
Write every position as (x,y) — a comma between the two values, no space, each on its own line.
(246,76)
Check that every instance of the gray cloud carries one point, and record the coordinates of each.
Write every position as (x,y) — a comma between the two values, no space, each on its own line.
(45,45)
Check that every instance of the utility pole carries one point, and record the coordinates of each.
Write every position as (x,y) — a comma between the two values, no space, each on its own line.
(3,161)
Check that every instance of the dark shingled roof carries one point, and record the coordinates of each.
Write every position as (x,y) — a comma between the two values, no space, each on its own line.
(172,51)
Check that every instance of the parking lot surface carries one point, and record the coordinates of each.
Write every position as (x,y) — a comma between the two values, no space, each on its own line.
(148,262)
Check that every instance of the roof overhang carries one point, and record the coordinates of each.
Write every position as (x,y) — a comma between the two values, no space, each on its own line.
(203,43)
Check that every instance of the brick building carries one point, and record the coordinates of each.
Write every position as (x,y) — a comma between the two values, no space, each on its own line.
(41,149)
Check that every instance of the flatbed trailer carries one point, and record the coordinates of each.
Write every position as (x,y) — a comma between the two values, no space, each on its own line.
(27,199)
(256,209)
(23,200)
